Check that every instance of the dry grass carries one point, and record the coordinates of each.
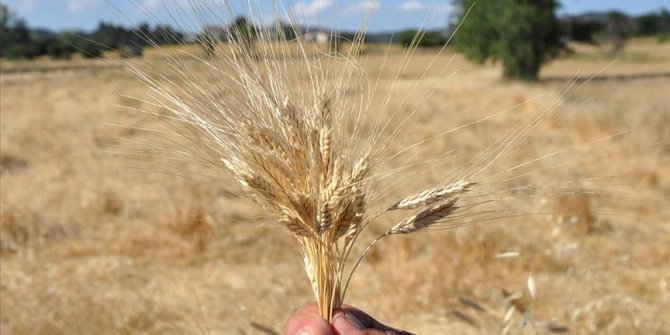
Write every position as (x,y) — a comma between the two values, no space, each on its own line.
(92,245)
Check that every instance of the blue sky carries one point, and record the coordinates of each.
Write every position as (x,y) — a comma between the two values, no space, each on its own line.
(388,15)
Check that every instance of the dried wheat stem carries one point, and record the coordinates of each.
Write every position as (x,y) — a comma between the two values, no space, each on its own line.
(414,223)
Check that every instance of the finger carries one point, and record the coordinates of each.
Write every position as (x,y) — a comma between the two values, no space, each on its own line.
(307,321)
(347,322)
(352,321)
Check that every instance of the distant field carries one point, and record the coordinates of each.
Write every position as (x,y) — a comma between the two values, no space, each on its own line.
(96,242)
(112,58)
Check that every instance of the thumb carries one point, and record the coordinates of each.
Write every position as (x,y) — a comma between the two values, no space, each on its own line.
(307,321)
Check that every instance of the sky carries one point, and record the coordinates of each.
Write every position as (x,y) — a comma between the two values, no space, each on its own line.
(388,15)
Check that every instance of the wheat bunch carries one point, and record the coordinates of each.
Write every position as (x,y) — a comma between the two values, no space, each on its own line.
(295,127)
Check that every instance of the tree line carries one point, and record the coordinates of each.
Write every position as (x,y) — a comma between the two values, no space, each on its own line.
(520,34)
(596,27)
(19,41)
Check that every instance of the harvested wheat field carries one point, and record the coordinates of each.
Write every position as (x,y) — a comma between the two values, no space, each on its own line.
(102,234)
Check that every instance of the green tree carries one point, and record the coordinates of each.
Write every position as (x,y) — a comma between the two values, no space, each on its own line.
(208,40)
(287,30)
(582,30)
(244,33)
(68,43)
(15,39)
(5,17)
(420,38)
(618,30)
(164,34)
(56,48)
(653,23)
(335,45)
(88,48)
(112,36)
(521,34)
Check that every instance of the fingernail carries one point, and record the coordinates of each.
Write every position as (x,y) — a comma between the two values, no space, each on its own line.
(353,321)
(305,332)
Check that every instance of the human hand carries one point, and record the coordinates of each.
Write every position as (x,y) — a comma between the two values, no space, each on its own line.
(346,321)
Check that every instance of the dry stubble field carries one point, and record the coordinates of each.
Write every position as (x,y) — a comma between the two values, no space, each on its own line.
(94,242)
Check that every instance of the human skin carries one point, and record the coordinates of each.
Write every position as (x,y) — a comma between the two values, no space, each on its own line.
(346,321)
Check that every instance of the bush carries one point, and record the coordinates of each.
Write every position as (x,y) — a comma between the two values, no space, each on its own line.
(130,51)
(75,42)
(19,51)
(56,48)
(421,38)
(89,49)
(15,39)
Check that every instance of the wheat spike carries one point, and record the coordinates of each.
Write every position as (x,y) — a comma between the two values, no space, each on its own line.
(424,218)
(277,170)
(432,196)
(325,218)
(325,135)
(260,185)
(361,169)
(293,225)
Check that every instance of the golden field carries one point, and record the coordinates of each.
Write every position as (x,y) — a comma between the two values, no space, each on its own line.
(96,241)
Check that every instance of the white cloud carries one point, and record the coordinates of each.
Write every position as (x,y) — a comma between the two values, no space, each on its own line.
(420,6)
(413,6)
(367,6)
(151,5)
(79,6)
(361,7)
(312,8)
(181,4)
(444,9)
